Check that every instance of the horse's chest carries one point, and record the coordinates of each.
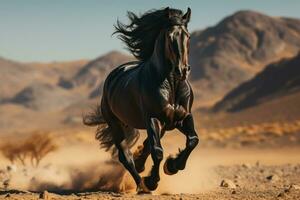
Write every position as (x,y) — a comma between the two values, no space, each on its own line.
(173,114)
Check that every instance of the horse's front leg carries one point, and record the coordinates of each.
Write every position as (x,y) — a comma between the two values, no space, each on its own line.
(154,130)
(140,155)
(172,165)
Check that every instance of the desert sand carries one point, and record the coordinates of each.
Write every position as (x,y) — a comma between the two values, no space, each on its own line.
(80,170)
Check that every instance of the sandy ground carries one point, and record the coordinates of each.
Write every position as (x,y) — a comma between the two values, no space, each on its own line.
(72,171)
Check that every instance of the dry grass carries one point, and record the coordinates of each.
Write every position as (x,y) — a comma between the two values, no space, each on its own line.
(33,148)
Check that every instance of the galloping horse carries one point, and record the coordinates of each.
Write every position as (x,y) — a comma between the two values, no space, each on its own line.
(152,93)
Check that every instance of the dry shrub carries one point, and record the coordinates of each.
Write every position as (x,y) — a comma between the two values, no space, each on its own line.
(34,148)
(14,152)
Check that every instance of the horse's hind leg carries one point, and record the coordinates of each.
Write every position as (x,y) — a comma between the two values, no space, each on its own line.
(124,154)
(125,157)
(172,165)
(154,130)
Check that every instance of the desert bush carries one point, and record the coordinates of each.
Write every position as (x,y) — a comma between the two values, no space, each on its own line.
(14,152)
(39,145)
(34,148)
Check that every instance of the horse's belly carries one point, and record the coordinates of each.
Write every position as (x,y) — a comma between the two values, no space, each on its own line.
(129,114)
(124,104)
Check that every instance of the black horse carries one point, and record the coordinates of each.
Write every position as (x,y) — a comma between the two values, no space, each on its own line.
(152,93)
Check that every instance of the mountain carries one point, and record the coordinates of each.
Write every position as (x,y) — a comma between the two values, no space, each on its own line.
(15,76)
(96,70)
(58,85)
(222,57)
(234,50)
(44,97)
(277,80)
(92,75)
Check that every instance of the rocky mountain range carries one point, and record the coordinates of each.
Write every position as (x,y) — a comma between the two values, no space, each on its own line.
(239,46)
(222,57)
(274,82)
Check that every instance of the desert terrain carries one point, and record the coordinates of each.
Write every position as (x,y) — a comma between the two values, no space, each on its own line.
(245,75)
(211,173)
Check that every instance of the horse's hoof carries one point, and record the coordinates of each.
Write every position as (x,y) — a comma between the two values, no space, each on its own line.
(149,183)
(140,169)
(168,167)
(142,188)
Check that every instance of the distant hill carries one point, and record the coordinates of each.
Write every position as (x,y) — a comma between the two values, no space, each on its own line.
(44,97)
(234,50)
(15,76)
(96,70)
(275,81)
(92,75)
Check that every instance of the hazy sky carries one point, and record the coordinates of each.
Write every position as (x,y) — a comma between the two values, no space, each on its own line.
(40,30)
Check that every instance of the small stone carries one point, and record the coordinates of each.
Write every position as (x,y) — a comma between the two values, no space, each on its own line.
(7,196)
(237,177)
(294,187)
(11,168)
(273,178)
(233,192)
(6,184)
(257,164)
(45,195)
(246,165)
(227,183)
(281,194)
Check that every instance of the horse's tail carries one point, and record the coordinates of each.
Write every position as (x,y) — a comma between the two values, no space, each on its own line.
(105,134)
(94,118)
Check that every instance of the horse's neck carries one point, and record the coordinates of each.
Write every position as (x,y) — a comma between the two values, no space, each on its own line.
(161,72)
(160,67)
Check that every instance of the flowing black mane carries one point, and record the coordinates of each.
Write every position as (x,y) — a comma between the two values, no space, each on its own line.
(140,34)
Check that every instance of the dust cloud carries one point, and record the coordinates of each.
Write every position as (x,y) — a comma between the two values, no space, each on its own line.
(103,176)
(86,168)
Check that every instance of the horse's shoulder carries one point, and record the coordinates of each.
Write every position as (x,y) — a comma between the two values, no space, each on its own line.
(122,68)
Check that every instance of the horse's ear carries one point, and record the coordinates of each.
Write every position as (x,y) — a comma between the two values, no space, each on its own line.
(167,12)
(187,16)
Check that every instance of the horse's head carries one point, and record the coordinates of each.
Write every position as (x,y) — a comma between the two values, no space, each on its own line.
(177,40)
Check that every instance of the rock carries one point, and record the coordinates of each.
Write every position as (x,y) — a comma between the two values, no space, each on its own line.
(246,165)
(273,178)
(45,195)
(7,196)
(294,187)
(6,183)
(11,168)
(227,183)
(281,194)
(237,177)
(233,192)
(257,164)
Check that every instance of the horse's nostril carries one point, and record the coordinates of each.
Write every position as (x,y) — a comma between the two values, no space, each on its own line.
(188,67)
